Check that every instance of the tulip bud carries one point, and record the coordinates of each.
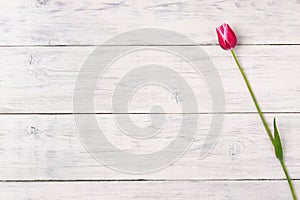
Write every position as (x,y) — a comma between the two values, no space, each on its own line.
(226,37)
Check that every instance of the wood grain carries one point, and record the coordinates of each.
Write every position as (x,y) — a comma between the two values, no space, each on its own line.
(88,22)
(44,43)
(248,190)
(43,147)
(42,80)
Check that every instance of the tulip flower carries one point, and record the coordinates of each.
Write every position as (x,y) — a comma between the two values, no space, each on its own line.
(227,40)
(226,37)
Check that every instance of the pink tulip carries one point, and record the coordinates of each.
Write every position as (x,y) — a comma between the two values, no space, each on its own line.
(228,41)
(226,37)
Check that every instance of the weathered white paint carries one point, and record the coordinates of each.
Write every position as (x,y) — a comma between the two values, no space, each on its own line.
(47,147)
(42,80)
(81,22)
(218,190)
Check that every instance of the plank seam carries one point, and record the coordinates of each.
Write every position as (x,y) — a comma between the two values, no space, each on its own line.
(143,180)
(138,45)
(145,113)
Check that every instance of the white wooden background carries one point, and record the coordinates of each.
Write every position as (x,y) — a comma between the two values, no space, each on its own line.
(43,44)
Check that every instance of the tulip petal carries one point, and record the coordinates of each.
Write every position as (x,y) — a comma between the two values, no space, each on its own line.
(221,38)
(226,37)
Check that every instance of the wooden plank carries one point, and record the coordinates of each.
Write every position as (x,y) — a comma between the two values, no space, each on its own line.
(43,147)
(68,22)
(42,80)
(248,190)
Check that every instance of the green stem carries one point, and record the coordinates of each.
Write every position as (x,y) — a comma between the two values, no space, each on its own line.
(264,122)
(289,179)
(253,98)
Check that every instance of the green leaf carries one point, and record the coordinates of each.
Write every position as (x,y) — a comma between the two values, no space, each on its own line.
(277,142)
